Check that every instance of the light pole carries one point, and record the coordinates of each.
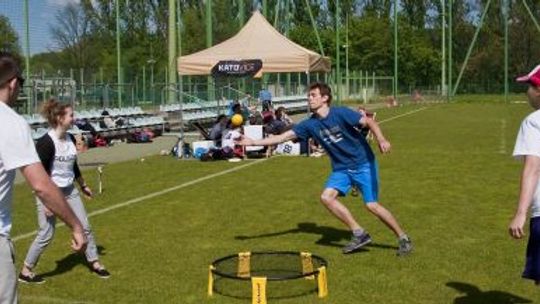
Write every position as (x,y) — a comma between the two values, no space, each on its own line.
(151,62)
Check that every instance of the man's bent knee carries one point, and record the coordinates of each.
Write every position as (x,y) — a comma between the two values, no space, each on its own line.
(373,207)
(328,196)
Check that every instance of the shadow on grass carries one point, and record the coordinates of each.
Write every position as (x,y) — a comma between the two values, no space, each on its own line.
(276,290)
(69,262)
(330,236)
(473,295)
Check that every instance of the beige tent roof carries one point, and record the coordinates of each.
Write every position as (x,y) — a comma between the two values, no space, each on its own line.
(256,40)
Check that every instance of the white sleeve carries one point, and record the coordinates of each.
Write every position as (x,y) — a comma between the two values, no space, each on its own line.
(17,148)
(528,139)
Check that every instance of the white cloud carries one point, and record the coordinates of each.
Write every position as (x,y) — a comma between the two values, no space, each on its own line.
(62,2)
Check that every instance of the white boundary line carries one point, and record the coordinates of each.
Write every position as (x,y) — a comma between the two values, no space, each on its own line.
(502,144)
(401,115)
(151,195)
(45,299)
(184,185)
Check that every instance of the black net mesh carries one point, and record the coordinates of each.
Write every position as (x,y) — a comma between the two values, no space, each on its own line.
(272,265)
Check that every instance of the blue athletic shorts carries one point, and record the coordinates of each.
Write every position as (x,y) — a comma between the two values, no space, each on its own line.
(365,177)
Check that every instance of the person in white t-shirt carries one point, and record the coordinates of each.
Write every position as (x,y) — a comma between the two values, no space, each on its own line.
(17,151)
(527,148)
(58,154)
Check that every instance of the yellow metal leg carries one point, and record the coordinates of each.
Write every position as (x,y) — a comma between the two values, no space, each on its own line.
(258,287)
(322,283)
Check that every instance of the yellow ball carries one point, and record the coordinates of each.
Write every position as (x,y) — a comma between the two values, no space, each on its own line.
(237,120)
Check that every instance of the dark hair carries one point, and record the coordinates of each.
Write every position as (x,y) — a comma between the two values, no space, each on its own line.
(220,117)
(324,89)
(52,110)
(279,112)
(9,68)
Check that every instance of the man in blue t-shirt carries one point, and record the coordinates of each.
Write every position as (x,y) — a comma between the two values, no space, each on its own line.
(353,162)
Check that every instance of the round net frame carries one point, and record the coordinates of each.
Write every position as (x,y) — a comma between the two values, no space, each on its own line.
(269,266)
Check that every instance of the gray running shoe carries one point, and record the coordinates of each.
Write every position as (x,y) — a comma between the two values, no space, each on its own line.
(405,247)
(357,242)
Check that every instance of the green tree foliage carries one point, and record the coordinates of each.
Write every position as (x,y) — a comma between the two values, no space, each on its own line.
(9,41)
(144,36)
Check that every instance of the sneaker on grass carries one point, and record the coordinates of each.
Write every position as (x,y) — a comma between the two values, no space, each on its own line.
(31,278)
(357,242)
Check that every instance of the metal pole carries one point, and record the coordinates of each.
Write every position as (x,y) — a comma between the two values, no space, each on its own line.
(171,94)
(27,51)
(395,49)
(338,63)
(241,21)
(469,51)
(118,54)
(209,44)
(144,82)
(532,15)
(314,25)
(347,75)
(450,47)
(179,51)
(443,49)
(81,79)
(505,16)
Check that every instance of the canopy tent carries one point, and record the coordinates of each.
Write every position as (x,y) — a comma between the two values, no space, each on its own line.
(258,39)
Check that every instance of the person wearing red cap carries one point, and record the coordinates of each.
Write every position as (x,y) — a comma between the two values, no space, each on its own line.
(527,148)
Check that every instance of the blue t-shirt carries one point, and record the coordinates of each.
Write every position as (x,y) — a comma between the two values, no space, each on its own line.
(338,134)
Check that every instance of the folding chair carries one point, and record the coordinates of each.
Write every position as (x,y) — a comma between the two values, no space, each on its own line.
(202,130)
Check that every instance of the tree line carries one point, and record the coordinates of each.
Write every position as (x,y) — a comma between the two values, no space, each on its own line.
(84,35)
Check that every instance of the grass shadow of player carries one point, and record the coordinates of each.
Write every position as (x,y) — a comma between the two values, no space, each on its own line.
(473,295)
(69,262)
(330,236)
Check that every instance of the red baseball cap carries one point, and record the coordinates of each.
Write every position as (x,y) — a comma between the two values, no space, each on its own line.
(532,78)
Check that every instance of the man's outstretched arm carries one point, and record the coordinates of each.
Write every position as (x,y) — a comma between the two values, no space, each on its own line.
(269,141)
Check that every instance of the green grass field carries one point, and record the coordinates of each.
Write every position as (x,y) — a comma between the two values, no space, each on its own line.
(450,181)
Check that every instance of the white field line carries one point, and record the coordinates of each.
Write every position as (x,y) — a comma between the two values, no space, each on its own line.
(502,144)
(45,299)
(184,185)
(401,115)
(152,195)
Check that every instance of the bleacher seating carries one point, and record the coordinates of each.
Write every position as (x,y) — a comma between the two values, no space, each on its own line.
(134,118)
(205,110)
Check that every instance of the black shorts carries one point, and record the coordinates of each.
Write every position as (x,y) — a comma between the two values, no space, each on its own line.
(532,264)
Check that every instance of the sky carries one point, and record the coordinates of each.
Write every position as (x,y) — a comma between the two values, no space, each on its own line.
(41,15)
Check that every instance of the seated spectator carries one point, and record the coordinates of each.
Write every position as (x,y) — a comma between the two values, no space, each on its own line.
(216,133)
(265,97)
(281,115)
(107,122)
(228,140)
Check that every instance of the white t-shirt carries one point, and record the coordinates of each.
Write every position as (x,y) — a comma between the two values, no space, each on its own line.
(229,137)
(65,155)
(16,150)
(528,143)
